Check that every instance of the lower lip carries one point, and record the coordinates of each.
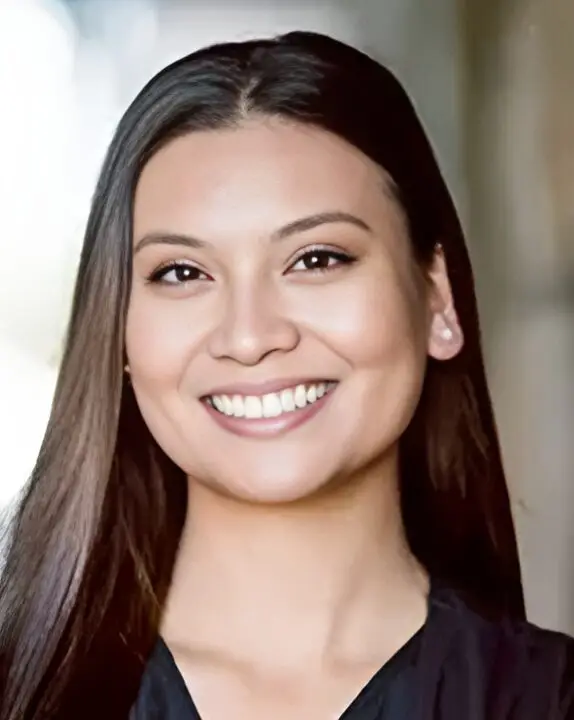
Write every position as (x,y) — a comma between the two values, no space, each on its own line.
(268,427)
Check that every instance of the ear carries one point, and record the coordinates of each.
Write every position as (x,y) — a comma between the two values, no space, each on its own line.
(445,336)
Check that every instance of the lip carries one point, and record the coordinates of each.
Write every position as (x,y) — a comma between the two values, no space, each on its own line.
(267,428)
(263,388)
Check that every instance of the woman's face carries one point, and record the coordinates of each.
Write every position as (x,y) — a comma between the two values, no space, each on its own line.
(278,326)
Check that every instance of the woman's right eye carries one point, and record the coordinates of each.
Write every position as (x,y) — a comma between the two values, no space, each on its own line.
(177,274)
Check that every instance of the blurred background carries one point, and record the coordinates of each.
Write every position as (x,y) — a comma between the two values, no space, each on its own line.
(494,83)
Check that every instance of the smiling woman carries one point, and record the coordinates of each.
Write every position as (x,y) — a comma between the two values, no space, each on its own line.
(302,282)
(271,485)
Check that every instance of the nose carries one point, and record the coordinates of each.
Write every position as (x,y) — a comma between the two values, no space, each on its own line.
(253,326)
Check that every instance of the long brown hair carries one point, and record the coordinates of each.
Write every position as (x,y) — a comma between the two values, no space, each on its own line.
(93,542)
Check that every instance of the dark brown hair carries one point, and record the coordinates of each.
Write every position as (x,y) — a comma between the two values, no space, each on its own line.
(93,542)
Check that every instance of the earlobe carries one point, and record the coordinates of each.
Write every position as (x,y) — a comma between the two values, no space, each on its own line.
(445,337)
(445,334)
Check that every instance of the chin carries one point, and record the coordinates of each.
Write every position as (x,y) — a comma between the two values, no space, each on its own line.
(269,488)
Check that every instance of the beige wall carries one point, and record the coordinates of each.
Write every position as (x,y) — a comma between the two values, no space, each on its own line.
(520,166)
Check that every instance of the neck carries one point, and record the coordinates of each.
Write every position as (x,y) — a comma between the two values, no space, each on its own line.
(328,576)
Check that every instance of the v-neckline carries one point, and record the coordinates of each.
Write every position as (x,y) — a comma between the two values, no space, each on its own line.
(382,677)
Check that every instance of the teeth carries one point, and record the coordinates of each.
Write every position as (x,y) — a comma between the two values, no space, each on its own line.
(227,405)
(270,405)
(288,400)
(238,406)
(253,408)
(300,396)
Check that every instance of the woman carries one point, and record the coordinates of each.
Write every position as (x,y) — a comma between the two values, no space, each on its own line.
(271,485)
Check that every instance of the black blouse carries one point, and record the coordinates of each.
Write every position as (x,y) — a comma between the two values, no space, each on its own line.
(459,666)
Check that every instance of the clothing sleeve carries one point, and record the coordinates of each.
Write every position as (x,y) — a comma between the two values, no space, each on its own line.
(474,669)
(566,692)
(547,678)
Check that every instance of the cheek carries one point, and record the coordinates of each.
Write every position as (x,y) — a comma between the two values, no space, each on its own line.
(159,340)
(371,322)
(379,329)
(160,335)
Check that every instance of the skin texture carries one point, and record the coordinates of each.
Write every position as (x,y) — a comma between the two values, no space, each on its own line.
(306,522)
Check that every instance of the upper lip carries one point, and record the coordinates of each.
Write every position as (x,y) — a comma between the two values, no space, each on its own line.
(263,388)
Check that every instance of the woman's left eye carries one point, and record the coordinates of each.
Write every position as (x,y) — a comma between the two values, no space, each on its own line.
(320,260)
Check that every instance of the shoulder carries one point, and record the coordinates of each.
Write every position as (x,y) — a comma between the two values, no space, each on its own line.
(518,670)
(163,694)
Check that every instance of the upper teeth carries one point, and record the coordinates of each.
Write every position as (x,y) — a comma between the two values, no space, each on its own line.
(270,405)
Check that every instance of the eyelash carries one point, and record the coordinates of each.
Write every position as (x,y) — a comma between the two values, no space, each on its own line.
(341,258)
(157,277)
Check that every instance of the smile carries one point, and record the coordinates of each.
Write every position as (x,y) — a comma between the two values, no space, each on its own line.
(270,405)
(268,414)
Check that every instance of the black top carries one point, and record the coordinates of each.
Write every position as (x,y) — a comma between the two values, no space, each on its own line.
(459,666)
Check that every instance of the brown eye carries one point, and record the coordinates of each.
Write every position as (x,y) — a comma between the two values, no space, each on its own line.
(320,260)
(177,274)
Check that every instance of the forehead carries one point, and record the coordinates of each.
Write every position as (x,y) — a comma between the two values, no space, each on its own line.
(264,172)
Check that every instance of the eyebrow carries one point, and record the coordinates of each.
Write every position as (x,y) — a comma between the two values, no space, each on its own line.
(313,221)
(293,228)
